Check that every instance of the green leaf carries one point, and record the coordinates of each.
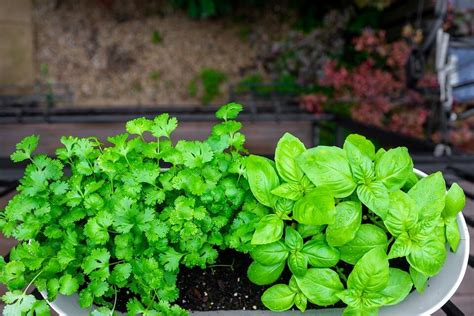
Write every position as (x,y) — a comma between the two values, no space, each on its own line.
(290,191)
(288,148)
(375,196)
(419,280)
(401,247)
(53,288)
(269,229)
(360,153)
(346,225)
(367,238)
(320,286)
(163,125)
(371,272)
(68,285)
(278,298)
(138,126)
(195,154)
(394,167)
(320,254)
(270,254)
(97,263)
(360,311)
(309,230)
(25,148)
(403,213)
(170,259)
(315,208)
(398,287)
(229,111)
(262,275)
(262,179)
(328,168)
(301,302)
(452,233)
(293,239)
(428,257)
(298,263)
(455,201)
(429,194)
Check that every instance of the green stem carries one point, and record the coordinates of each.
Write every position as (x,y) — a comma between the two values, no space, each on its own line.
(115,301)
(376,222)
(341,274)
(31,282)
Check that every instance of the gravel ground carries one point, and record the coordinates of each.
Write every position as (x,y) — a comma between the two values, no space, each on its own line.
(108,58)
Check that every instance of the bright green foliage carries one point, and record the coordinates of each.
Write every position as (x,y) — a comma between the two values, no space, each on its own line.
(354,205)
(120,221)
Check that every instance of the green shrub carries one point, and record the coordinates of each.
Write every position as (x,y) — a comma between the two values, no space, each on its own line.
(207,84)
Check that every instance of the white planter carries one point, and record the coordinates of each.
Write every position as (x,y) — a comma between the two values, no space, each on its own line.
(439,290)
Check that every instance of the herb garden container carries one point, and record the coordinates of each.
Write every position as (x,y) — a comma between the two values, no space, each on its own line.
(439,290)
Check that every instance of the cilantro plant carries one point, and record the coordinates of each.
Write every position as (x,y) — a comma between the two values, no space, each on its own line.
(351,224)
(101,217)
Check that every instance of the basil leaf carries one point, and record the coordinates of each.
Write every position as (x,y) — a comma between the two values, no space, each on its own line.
(292,191)
(301,302)
(288,148)
(394,167)
(411,181)
(348,220)
(293,239)
(309,230)
(367,237)
(360,153)
(361,300)
(328,168)
(428,257)
(269,229)
(278,298)
(262,179)
(315,208)
(455,201)
(379,155)
(371,272)
(429,194)
(452,233)
(360,311)
(401,247)
(398,287)
(403,213)
(419,279)
(320,286)
(263,275)
(320,254)
(375,196)
(270,254)
(298,263)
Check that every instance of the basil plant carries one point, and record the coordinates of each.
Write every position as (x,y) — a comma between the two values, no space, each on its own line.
(352,224)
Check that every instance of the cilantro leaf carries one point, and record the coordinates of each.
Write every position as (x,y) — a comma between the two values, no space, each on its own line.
(25,148)
(163,125)
(229,111)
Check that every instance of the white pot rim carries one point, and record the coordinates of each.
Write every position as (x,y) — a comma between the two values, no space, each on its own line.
(415,304)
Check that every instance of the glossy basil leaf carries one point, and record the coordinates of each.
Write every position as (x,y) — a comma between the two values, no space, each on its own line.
(398,287)
(301,302)
(269,229)
(293,239)
(262,179)
(283,207)
(452,233)
(411,181)
(328,168)
(403,213)
(429,194)
(455,201)
(278,298)
(367,237)
(320,286)
(375,196)
(298,263)
(371,272)
(309,230)
(263,275)
(293,285)
(419,280)
(270,254)
(360,311)
(315,208)
(292,191)
(288,148)
(320,254)
(401,247)
(428,257)
(348,220)
(394,167)
(379,155)
(360,154)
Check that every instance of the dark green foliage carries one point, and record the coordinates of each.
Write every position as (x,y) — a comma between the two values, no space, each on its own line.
(207,85)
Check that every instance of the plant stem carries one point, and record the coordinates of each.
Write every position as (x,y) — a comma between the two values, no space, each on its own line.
(376,223)
(341,274)
(31,282)
(115,302)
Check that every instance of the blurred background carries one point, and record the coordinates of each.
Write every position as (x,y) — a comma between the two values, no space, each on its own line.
(398,72)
